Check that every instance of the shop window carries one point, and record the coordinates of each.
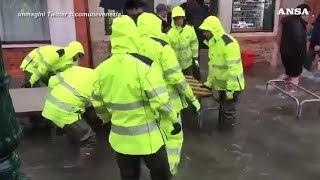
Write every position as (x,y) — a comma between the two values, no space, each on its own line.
(24,22)
(253,15)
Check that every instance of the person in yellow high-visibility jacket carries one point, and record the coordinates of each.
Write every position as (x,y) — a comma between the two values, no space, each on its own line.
(131,90)
(45,61)
(68,98)
(225,69)
(184,40)
(156,47)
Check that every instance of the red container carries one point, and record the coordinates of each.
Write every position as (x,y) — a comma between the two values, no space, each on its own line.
(247,58)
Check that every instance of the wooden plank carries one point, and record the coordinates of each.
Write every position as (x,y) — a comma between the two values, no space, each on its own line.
(28,99)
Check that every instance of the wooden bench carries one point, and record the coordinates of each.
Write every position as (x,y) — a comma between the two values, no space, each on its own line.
(200,93)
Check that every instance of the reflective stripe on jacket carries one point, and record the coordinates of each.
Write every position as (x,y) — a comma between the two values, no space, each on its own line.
(158,50)
(131,88)
(225,64)
(45,60)
(183,40)
(185,43)
(40,61)
(69,95)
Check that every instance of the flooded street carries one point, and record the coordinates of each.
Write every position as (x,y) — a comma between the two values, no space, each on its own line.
(268,143)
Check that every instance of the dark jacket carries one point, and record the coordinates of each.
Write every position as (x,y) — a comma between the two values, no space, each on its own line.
(195,16)
(107,4)
(294,36)
(188,14)
(315,36)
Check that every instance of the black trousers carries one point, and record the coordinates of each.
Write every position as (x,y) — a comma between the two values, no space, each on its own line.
(293,64)
(157,163)
(81,134)
(193,70)
(227,111)
(188,71)
(310,58)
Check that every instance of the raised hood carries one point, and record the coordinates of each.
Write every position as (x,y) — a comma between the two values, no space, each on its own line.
(123,36)
(177,12)
(213,24)
(73,49)
(151,25)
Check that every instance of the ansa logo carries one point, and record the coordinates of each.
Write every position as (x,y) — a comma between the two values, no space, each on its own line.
(293,11)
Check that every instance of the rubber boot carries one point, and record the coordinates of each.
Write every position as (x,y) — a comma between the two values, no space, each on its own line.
(85,156)
(73,159)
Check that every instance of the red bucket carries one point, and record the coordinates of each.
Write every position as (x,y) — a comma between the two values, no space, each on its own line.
(247,58)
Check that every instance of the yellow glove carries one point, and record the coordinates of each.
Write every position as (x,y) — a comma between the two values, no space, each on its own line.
(229,95)
(197,105)
(196,62)
(208,85)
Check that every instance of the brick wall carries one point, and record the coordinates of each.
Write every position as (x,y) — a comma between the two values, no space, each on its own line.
(13,58)
(266,48)
(100,51)
(263,47)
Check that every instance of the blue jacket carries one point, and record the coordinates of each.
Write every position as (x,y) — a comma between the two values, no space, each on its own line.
(315,37)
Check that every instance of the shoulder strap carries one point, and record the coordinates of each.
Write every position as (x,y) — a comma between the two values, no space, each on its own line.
(142,58)
(227,40)
(162,42)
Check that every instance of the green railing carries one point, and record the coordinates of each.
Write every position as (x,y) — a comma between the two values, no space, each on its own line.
(10,131)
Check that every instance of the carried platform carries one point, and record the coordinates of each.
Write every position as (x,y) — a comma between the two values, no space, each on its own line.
(201,92)
(299,104)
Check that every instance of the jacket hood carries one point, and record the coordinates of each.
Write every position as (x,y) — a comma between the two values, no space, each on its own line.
(177,12)
(213,24)
(74,48)
(123,36)
(149,24)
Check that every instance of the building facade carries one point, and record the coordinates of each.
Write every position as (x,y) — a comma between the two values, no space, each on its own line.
(255,23)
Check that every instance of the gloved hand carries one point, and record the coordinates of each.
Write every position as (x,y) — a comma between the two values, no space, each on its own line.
(196,62)
(197,105)
(229,95)
(204,86)
(208,84)
(176,129)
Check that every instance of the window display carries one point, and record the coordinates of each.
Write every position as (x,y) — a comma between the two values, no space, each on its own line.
(253,15)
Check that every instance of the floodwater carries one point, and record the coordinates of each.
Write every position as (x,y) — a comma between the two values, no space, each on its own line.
(268,142)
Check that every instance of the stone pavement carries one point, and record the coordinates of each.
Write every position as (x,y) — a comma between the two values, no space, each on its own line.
(268,143)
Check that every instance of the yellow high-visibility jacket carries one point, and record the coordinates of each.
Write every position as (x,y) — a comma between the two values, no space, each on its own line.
(44,61)
(160,51)
(225,64)
(183,40)
(69,95)
(131,90)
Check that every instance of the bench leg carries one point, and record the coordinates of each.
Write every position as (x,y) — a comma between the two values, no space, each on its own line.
(53,132)
(200,116)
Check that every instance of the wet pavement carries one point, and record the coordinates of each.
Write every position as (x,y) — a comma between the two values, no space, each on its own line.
(268,142)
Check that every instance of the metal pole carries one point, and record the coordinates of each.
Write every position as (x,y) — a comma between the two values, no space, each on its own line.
(10,131)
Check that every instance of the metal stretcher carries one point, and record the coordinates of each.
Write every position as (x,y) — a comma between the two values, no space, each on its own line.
(200,93)
(299,105)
